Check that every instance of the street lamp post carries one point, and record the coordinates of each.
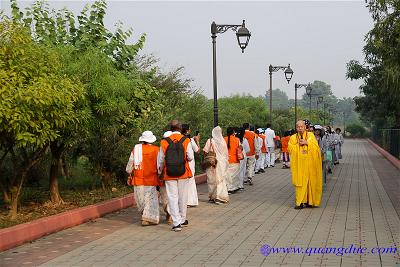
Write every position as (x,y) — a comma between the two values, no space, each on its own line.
(297,86)
(319,101)
(308,92)
(288,75)
(243,37)
(325,106)
(344,123)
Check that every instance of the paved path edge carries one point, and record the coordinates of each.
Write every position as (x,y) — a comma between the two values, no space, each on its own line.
(19,234)
(387,155)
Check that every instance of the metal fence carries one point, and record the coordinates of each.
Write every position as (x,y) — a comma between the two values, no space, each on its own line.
(388,139)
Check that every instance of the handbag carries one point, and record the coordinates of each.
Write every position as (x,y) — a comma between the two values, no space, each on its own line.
(329,155)
(210,159)
(130,180)
(239,153)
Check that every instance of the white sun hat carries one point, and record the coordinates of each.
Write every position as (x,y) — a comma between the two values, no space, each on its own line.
(147,136)
(317,127)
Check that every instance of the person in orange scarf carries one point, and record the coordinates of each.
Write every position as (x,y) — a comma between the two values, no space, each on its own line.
(305,164)
(285,153)
(176,185)
(142,167)
(233,143)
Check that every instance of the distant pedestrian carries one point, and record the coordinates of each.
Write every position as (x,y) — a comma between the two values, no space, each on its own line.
(270,137)
(250,136)
(285,152)
(234,149)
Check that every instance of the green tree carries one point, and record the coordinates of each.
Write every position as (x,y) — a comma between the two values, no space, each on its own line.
(356,130)
(381,70)
(280,100)
(36,103)
(77,38)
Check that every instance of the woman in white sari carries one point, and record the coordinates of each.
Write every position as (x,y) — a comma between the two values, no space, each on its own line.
(142,167)
(217,176)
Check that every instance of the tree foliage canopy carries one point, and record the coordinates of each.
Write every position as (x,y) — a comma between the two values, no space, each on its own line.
(381,70)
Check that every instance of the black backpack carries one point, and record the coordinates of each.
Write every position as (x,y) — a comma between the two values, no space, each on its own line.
(175,157)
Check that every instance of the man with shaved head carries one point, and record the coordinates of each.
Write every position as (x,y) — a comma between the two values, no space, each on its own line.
(305,164)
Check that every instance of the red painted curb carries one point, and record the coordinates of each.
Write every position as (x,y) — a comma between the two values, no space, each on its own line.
(17,235)
(387,155)
(22,233)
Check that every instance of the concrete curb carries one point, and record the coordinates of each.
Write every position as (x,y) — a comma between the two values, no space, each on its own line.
(387,155)
(19,234)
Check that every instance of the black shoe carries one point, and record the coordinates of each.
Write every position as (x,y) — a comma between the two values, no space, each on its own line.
(298,207)
(186,223)
(245,182)
(308,205)
(211,201)
(177,228)
(250,182)
(272,165)
(262,170)
(257,172)
(241,189)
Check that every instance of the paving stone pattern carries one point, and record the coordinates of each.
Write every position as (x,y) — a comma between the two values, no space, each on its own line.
(355,210)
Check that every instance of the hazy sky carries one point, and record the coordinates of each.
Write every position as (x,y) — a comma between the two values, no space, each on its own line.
(317,38)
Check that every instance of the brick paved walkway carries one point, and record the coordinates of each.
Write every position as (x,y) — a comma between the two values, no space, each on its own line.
(355,210)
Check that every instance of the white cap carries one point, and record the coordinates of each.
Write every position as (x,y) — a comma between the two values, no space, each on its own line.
(147,136)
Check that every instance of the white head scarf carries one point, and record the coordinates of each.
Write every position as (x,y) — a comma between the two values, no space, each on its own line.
(219,144)
(221,150)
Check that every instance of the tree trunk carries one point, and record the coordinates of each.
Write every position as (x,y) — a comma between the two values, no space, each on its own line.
(6,196)
(15,193)
(106,177)
(64,166)
(55,166)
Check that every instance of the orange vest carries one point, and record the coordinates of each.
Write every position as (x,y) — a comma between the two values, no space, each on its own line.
(164,144)
(285,143)
(263,147)
(147,175)
(250,136)
(232,151)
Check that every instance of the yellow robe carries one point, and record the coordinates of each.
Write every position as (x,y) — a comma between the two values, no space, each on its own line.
(306,167)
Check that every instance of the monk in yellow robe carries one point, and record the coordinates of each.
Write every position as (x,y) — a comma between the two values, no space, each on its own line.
(306,167)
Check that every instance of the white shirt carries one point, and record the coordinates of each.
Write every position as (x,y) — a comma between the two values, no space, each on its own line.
(269,137)
(246,147)
(258,144)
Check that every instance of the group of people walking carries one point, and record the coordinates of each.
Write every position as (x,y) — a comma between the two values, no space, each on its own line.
(165,174)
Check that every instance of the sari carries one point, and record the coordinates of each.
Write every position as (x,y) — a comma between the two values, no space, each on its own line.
(217,176)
